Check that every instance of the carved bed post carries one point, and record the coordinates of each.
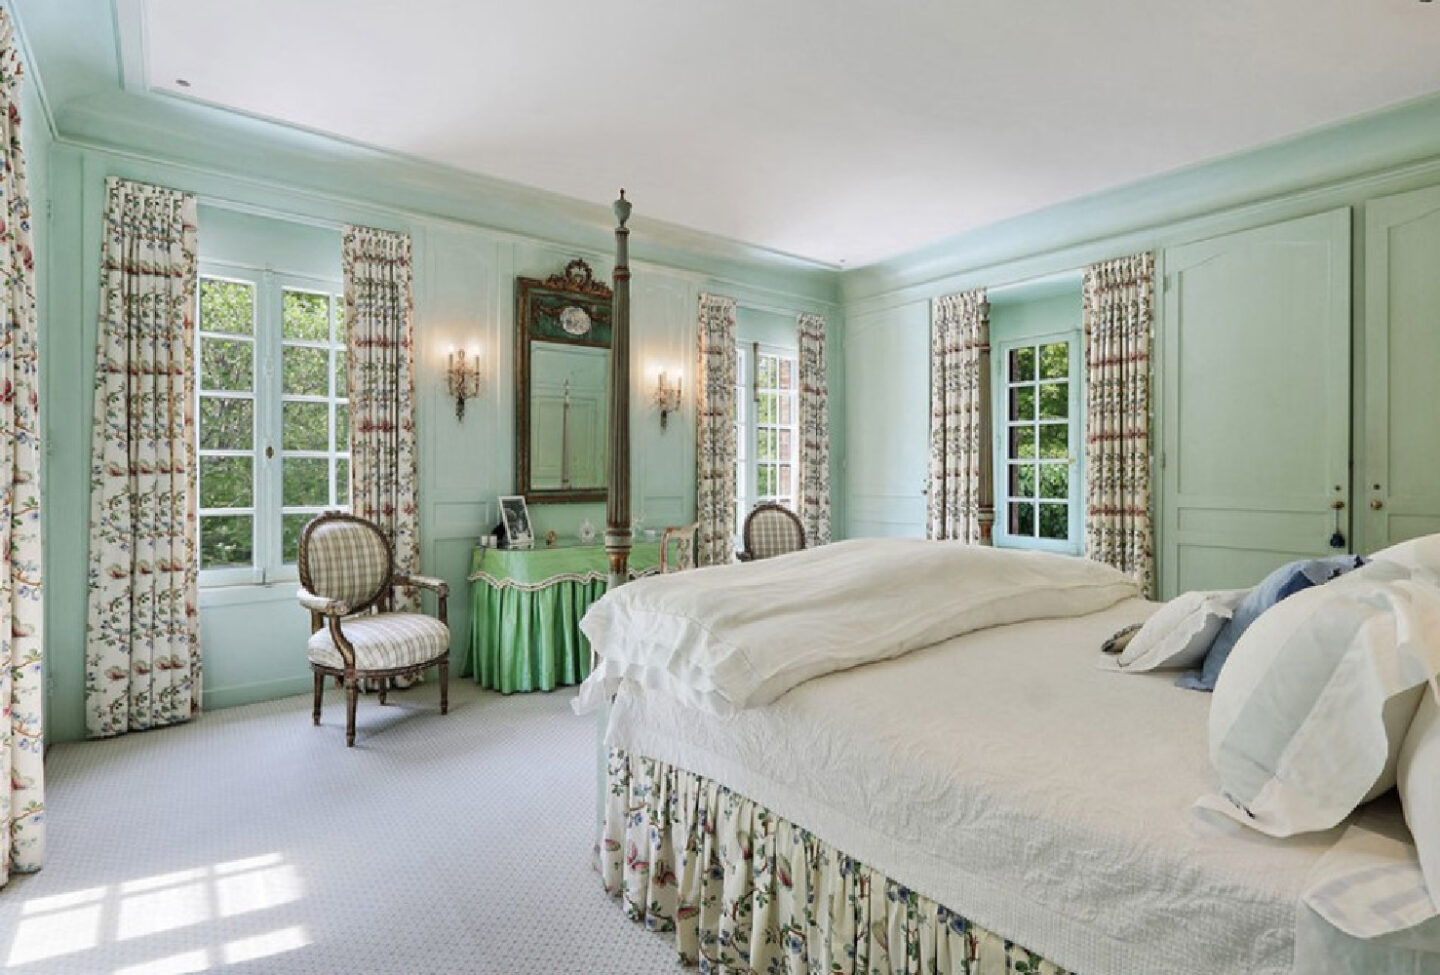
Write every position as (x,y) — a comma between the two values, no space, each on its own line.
(617,502)
(985,502)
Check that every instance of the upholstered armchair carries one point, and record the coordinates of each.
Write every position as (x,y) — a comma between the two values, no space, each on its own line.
(771,530)
(347,580)
(677,547)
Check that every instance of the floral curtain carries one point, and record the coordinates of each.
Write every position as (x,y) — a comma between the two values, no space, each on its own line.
(959,344)
(379,321)
(142,657)
(22,608)
(715,433)
(748,891)
(1119,315)
(814,432)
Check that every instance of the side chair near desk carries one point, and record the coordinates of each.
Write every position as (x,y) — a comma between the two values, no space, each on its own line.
(346,569)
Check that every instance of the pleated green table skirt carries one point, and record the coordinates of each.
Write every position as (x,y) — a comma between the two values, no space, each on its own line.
(530,641)
(525,622)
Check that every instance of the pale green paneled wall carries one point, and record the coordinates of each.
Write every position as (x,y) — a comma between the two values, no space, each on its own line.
(253,637)
(887,306)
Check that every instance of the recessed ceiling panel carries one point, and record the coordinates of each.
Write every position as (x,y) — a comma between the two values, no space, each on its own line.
(842,132)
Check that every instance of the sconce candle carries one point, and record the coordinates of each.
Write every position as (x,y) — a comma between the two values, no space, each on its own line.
(667,397)
(463,379)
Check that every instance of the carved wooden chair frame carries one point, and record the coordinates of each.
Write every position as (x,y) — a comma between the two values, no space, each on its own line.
(330,612)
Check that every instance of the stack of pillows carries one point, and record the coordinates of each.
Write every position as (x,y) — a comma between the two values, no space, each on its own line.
(1326,681)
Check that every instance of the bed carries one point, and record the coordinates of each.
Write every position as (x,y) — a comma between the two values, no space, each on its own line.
(990,798)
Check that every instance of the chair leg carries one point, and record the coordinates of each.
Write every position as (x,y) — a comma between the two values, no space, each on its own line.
(352,690)
(319,695)
(445,686)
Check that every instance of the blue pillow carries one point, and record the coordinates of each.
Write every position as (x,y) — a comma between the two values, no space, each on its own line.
(1283,582)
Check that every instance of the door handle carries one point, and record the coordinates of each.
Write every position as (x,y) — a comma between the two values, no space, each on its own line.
(1376,504)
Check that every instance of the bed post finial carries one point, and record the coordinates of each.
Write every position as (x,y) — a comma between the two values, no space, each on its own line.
(617,500)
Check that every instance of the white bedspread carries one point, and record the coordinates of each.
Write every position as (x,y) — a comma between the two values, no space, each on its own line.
(736,636)
(1004,775)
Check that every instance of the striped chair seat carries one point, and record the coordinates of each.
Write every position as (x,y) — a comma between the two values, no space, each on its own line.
(383,642)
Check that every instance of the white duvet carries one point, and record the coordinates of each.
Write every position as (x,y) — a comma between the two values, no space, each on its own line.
(727,638)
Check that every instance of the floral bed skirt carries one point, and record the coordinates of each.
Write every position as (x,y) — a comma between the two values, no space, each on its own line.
(746,891)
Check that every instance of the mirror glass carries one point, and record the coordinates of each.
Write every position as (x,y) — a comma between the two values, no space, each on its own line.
(562,388)
(569,406)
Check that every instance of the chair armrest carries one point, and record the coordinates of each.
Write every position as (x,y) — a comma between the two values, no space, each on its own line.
(323,605)
(439,586)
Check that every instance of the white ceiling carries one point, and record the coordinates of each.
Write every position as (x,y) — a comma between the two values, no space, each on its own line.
(844,132)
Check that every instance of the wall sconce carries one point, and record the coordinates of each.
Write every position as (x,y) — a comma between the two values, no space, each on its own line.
(463,378)
(667,397)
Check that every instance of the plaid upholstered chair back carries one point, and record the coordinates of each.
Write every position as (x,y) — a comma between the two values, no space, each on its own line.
(346,558)
(772,530)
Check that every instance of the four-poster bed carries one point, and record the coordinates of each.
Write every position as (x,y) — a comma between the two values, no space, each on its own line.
(900,756)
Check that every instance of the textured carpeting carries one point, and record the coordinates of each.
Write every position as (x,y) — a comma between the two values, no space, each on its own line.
(249,841)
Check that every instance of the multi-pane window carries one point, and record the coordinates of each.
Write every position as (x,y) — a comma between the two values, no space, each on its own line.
(273,419)
(766,435)
(1038,476)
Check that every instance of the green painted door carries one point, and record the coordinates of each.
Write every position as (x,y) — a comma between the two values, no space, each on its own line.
(1256,401)
(1400,456)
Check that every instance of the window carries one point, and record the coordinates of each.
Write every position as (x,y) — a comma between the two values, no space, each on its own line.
(1038,489)
(273,418)
(766,437)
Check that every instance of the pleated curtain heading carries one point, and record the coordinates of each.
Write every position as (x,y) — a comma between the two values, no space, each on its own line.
(814,493)
(22,586)
(142,655)
(715,431)
(1119,324)
(959,346)
(379,321)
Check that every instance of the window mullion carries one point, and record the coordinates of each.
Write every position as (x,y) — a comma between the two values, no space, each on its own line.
(270,430)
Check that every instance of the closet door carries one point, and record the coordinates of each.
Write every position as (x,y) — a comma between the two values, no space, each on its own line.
(887,420)
(1255,401)
(1400,457)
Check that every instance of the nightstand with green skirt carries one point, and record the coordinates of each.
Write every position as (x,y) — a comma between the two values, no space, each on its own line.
(525,610)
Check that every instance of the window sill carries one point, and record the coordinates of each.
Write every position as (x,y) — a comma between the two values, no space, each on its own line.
(274,592)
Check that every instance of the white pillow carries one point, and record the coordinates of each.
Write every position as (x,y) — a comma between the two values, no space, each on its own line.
(1310,712)
(1417,778)
(1181,631)
(1417,553)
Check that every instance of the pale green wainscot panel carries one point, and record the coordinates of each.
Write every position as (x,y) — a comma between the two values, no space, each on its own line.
(1400,454)
(1256,398)
(887,419)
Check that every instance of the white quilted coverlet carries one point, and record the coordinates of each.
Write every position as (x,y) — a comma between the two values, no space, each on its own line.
(1004,775)
(735,636)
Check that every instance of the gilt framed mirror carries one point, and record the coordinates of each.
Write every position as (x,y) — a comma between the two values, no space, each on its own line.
(562,385)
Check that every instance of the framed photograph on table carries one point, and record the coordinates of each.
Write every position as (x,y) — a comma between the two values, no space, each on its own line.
(515,516)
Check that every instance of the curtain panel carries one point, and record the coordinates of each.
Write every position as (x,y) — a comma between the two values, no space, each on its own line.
(22,608)
(959,346)
(1119,319)
(745,890)
(814,432)
(379,319)
(715,431)
(142,658)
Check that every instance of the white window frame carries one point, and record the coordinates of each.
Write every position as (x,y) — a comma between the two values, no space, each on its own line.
(747,425)
(268,438)
(1000,412)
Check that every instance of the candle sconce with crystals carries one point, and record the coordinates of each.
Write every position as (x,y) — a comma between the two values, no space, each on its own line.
(667,397)
(463,378)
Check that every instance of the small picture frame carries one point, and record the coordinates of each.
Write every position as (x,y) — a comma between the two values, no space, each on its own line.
(515,516)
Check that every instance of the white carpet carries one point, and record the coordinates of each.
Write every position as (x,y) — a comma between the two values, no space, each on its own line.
(250,841)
